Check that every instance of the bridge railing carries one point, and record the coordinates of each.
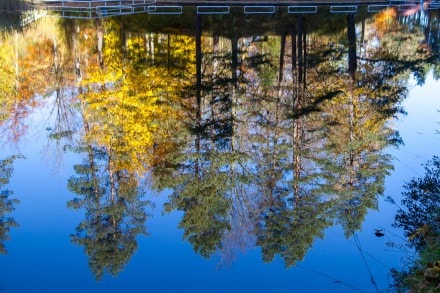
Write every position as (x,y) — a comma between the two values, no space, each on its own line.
(96,8)
(104,8)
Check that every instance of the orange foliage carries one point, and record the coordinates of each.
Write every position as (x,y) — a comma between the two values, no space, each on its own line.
(385,20)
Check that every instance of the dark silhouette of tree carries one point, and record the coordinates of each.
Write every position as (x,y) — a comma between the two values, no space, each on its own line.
(420,219)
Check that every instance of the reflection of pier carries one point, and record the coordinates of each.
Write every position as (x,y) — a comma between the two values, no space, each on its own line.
(96,8)
(18,14)
(30,16)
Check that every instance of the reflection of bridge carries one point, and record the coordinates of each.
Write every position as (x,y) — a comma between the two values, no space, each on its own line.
(79,8)
(104,8)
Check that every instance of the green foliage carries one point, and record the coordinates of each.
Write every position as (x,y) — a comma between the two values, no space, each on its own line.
(290,232)
(201,192)
(114,212)
(420,219)
(7,203)
(292,156)
(60,135)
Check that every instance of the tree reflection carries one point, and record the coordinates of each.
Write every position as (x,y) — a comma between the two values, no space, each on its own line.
(267,130)
(264,140)
(355,165)
(7,203)
(420,220)
(305,148)
(201,192)
(128,105)
(291,232)
(114,211)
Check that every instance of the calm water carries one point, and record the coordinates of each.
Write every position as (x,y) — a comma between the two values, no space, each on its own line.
(212,154)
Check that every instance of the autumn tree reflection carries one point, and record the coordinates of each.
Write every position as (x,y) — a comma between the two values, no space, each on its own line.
(263,139)
(267,131)
(128,102)
(130,109)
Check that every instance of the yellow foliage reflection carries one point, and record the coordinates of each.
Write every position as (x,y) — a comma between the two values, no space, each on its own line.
(129,104)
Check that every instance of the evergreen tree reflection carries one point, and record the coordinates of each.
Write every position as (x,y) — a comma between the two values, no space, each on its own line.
(300,156)
(114,211)
(273,145)
(7,203)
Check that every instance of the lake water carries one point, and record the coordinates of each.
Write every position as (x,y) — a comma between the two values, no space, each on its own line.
(214,153)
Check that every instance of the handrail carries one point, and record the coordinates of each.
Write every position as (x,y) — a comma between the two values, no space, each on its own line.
(96,8)
(103,8)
